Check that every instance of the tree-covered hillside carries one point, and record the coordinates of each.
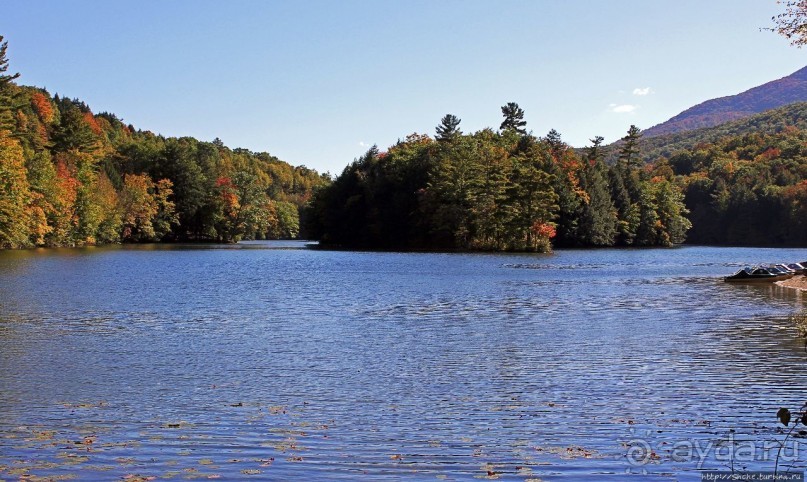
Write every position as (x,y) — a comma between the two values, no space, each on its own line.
(748,189)
(71,177)
(745,182)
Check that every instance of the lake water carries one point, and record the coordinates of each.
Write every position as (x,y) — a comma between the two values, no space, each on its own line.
(269,361)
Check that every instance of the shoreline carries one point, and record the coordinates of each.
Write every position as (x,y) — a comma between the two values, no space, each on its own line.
(798,282)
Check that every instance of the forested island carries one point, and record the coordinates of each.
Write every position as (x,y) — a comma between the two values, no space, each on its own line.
(71,177)
(503,191)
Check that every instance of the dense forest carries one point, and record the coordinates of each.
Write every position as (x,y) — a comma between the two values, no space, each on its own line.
(505,190)
(742,183)
(748,189)
(70,177)
(745,182)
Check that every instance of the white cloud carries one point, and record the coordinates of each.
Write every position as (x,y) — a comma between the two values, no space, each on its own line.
(362,144)
(624,108)
(645,91)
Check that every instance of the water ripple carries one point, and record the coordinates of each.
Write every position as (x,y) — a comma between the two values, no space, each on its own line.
(292,363)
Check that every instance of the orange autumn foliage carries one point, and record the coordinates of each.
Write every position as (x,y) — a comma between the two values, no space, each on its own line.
(769,154)
(90,119)
(227,194)
(65,199)
(38,218)
(543,230)
(43,107)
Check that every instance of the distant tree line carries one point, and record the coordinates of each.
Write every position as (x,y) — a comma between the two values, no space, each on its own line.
(499,190)
(69,177)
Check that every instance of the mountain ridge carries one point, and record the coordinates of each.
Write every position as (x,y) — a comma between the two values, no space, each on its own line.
(772,121)
(713,112)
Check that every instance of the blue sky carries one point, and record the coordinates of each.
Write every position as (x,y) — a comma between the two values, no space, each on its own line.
(318,82)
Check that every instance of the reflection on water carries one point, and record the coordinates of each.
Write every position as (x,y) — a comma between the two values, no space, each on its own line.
(267,360)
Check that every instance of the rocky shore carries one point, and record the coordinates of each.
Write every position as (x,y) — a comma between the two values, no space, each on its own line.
(798,282)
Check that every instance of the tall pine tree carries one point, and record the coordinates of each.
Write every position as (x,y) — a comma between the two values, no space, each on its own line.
(513,118)
(7,97)
(598,220)
(448,129)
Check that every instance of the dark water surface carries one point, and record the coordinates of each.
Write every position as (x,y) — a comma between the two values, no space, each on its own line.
(265,361)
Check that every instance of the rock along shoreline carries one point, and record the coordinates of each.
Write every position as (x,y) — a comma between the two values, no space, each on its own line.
(798,282)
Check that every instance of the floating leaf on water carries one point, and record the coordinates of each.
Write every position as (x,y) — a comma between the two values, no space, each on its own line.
(490,472)
(250,472)
(45,435)
(50,478)
(85,441)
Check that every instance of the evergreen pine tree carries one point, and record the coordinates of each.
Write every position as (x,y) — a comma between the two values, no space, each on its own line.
(7,97)
(449,128)
(513,118)
(598,220)
(629,153)
(622,202)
